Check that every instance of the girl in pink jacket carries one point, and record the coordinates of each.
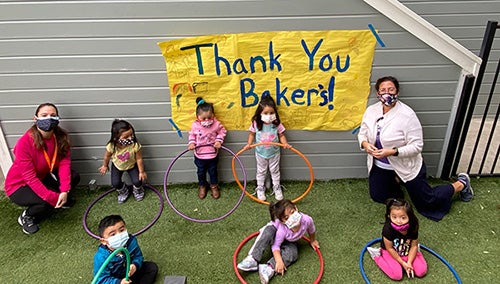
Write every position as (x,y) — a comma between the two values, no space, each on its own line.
(205,138)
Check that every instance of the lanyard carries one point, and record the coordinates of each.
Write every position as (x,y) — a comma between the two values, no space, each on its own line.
(54,157)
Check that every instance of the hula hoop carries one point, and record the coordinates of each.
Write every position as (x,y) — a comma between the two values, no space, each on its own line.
(237,251)
(85,215)
(108,259)
(376,240)
(281,145)
(203,220)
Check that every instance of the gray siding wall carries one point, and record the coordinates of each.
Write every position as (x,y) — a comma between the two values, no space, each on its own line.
(99,60)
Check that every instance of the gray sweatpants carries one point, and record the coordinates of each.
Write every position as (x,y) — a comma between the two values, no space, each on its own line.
(264,240)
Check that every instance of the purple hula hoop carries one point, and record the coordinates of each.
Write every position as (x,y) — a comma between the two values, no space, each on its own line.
(85,215)
(204,220)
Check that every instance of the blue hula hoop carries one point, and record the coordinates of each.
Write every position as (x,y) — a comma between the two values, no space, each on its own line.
(376,240)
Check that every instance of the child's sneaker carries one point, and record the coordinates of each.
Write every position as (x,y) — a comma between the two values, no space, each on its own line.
(466,194)
(266,272)
(248,264)
(261,193)
(374,252)
(278,193)
(138,193)
(28,223)
(123,194)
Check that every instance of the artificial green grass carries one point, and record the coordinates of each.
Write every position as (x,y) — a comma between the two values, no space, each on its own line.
(345,217)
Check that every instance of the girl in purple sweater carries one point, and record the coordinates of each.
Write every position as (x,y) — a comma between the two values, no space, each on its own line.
(205,138)
(41,177)
(287,226)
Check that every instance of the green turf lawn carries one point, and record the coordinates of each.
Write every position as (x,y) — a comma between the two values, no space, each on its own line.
(345,217)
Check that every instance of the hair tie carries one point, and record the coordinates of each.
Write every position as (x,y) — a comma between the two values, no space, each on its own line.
(201,102)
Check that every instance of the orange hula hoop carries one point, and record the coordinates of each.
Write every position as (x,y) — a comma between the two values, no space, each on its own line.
(275,144)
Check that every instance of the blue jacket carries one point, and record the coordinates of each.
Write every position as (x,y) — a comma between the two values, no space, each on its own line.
(116,268)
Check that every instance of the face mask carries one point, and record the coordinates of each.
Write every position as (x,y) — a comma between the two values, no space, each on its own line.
(293,220)
(118,240)
(387,99)
(400,228)
(268,118)
(47,123)
(124,142)
(207,123)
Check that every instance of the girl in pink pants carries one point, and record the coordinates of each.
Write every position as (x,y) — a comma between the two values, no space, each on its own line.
(399,251)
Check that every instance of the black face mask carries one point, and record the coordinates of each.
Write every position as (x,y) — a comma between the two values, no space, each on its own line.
(125,142)
(47,123)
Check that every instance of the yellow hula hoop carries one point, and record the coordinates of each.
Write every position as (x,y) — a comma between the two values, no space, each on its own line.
(283,146)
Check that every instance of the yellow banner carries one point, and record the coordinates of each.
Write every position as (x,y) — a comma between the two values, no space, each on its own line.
(320,80)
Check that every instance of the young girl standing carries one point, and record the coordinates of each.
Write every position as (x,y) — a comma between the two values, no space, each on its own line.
(124,151)
(205,138)
(267,127)
(287,226)
(399,247)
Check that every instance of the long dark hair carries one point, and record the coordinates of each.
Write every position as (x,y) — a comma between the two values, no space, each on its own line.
(203,106)
(265,101)
(393,203)
(61,135)
(118,127)
(277,210)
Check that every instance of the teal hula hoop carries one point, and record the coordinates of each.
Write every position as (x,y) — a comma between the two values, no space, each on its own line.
(103,266)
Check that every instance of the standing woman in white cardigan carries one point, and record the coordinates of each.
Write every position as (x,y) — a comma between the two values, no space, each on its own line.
(391,135)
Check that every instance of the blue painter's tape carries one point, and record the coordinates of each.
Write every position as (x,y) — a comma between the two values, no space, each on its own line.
(175,126)
(375,34)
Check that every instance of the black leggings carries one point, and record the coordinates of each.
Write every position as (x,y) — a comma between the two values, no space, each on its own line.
(145,275)
(37,207)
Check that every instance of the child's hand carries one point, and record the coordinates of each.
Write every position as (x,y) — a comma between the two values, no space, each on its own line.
(125,281)
(287,146)
(280,267)
(132,270)
(143,176)
(409,270)
(217,144)
(103,170)
(191,146)
(246,147)
(315,244)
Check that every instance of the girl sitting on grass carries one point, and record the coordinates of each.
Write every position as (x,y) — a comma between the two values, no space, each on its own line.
(399,247)
(287,226)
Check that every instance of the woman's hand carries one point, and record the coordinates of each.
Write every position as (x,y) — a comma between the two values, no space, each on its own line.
(382,153)
(63,197)
(280,267)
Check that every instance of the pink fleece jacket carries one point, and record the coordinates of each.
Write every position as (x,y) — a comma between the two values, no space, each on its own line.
(30,167)
(200,135)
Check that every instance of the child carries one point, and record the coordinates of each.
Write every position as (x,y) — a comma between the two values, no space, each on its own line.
(267,127)
(114,235)
(399,247)
(206,130)
(287,226)
(125,153)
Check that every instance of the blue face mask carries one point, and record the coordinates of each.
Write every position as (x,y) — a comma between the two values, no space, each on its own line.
(47,123)
(118,240)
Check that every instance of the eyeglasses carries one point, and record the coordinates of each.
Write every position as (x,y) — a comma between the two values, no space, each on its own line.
(388,90)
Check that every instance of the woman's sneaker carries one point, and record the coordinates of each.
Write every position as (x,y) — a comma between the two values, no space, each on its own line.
(138,193)
(248,264)
(466,194)
(28,223)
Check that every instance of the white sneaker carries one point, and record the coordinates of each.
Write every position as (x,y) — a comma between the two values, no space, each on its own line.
(261,193)
(266,272)
(374,252)
(278,193)
(248,264)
